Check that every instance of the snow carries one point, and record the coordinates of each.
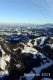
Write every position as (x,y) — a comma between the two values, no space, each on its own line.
(42,55)
(29,76)
(38,69)
(51,45)
(46,79)
(15,49)
(3,73)
(35,42)
(32,51)
(18,65)
(42,40)
(3,63)
(29,50)
(29,43)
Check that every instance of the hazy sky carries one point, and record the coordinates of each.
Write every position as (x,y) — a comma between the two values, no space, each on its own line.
(26,11)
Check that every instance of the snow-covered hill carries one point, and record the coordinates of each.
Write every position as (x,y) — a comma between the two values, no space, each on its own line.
(30,60)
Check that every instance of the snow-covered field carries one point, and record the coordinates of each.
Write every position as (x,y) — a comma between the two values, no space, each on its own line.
(23,57)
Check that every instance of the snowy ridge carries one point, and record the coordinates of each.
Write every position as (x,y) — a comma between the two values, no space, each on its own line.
(26,59)
(3,63)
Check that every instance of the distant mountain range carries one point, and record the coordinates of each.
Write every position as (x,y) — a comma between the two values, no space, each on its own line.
(45,25)
(48,25)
